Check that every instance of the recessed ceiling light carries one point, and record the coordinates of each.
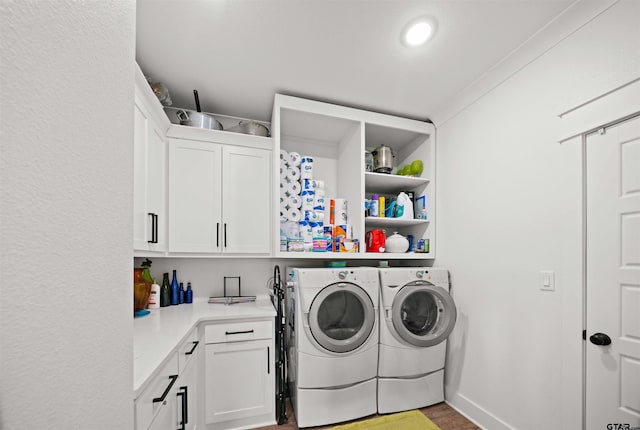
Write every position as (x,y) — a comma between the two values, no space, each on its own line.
(417,32)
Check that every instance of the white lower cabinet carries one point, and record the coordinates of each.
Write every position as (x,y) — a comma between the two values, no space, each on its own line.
(171,399)
(156,404)
(166,418)
(188,395)
(239,375)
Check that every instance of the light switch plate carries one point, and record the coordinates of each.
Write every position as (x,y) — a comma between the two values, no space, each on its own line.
(547,280)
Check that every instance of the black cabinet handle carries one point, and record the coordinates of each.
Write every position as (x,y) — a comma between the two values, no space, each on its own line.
(225,234)
(166,391)
(238,332)
(182,421)
(195,344)
(268,360)
(185,405)
(600,339)
(154,228)
(217,234)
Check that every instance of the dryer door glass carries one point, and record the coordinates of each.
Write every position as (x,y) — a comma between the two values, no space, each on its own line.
(423,314)
(341,317)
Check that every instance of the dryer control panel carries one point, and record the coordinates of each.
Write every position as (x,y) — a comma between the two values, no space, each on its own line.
(438,277)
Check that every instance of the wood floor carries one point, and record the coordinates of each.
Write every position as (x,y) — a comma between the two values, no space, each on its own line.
(442,415)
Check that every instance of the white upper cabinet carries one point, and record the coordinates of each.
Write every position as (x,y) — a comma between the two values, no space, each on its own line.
(149,205)
(336,137)
(195,191)
(219,193)
(246,202)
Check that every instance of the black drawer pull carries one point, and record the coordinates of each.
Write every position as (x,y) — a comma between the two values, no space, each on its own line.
(173,378)
(195,344)
(238,332)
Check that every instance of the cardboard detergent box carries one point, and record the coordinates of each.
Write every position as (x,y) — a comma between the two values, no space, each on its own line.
(349,245)
(340,232)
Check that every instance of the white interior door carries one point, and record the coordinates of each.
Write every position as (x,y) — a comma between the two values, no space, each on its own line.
(613,277)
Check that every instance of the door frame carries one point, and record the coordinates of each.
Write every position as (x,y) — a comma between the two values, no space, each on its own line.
(585,297)
(601,110)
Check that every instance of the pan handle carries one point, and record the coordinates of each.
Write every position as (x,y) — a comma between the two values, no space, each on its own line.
(182,115)
(195,95)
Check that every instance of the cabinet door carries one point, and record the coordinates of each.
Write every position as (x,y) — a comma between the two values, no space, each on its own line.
(195,217)
(246,200)
(156,186)
(149,218)
(188,389)
(167,418)
(141,221)
(239,380)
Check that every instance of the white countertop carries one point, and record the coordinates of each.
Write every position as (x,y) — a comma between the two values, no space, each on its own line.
(156,335)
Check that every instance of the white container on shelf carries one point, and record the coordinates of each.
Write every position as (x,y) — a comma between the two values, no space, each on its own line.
(396,243)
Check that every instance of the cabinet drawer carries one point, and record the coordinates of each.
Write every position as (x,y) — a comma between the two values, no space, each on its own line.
(238,331)
(145,406)
(188,349)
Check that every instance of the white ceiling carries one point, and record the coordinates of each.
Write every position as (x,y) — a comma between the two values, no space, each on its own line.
(239,53)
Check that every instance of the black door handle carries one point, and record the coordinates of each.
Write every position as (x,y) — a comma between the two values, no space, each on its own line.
(600,339)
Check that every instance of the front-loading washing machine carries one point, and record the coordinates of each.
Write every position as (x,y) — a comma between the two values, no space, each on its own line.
(332,343)
(417,314)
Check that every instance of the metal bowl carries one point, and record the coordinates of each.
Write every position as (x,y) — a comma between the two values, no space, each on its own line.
(253,127)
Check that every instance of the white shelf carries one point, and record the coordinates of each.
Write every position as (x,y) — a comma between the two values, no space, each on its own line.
(392,222)
(388,183)
(355,255)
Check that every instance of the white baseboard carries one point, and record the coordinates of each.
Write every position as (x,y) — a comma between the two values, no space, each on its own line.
(476,414)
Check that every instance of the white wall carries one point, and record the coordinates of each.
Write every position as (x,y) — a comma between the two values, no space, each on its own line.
(510,206)
(207,274)
(65,200)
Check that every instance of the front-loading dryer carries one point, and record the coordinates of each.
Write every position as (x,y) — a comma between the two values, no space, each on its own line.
(332,337)
(417,314)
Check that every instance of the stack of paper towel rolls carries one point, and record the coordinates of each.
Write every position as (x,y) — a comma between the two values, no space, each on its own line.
(301,196)
(290,188)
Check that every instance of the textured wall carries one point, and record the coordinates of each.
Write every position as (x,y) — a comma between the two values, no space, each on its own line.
(65,202)
(510,206)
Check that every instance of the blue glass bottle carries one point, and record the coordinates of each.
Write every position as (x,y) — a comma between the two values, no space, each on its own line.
(165,291)
(188,295)
(181,294)
(175,290)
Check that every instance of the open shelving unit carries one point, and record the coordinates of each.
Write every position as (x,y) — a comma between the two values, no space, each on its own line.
(337,137)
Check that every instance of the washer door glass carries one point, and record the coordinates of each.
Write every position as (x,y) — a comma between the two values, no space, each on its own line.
(423,314)
(341,317)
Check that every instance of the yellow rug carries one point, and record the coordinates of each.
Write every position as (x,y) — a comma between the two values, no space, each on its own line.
(410,420)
